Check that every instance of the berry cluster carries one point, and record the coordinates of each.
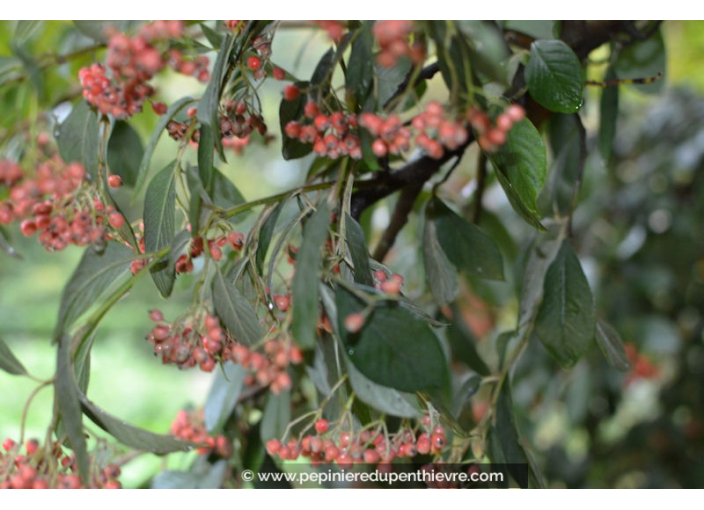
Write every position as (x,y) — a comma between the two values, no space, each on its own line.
(50,468)
(392,36)
(331,135)
(194,340)
(191,427)
(236,25)
(10,173)
(367,446)
(56,204)
(268,368)
(492,136)
(132,62)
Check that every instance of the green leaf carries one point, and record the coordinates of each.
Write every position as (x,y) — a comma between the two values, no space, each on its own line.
(132,436)
(360,66)
(154,140)
(468,248)
(611,346)
(213,37)
(235,311)
(554,76)
(70,406)
(8,362)
(508,437)
(197,197)
(305,280)
(568,140)
(222,399)
(225,194)
(206,151)
(159,224)
(565,320)
(439,271)
(608,117)
(382,398)
(94,274)
(276,416)
(388,79)
(78,138)
(465,390)
(394,348)
(644,59)
(521,165)
(291,148)
(25,29)
(357,246)
(6,247)
(81,359)
(203,475)
(488,51)
(266,233)
(320,80)
(125,152)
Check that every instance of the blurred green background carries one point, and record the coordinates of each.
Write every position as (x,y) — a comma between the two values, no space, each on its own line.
(640,222)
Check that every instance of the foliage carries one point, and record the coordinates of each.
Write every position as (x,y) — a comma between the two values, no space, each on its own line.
(321,347)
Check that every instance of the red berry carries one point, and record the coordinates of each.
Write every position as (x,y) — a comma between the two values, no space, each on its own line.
(254,63)
(8,444)
(279,74)
(273,446)
(291,92)
(28,228)
(354,322)
(516,113)
(321,426)
(423,445)
(379,148)
(114,181)
(159,108)
(156,316)
(116,219)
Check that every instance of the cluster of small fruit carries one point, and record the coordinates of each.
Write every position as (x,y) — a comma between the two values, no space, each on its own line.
(50,468)
(189,426)
(132,62)
(346,448)
(331,135)
(392,36)
(57,203)
(334,28)
(491,136)
(193,340)
(270,367)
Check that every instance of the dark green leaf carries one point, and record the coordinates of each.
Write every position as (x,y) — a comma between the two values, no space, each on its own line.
(224,392)
(31,67)
(94,274)
(213,37)
(132,436)
(154,140)
(159,224)
(225,194)
(357,246)
(463,343)
(360,66)
(276,416)
(611,345)
(521,165)
(565,321)
(508,436)
(125,152)
(388,79)
(439,272)
(78,138)
(569,148)
(644,59)
(266,233)
(382,398)
(305,280)
(289,111)
(25,29)
(8,362)
(394,348)
(608,117)
(81,361)
(320,81)
(70,406)
(554,76)
(235,311)
(465,391)
(202,476)
(487,49)
(206,151)
(468,248)
(198,196)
